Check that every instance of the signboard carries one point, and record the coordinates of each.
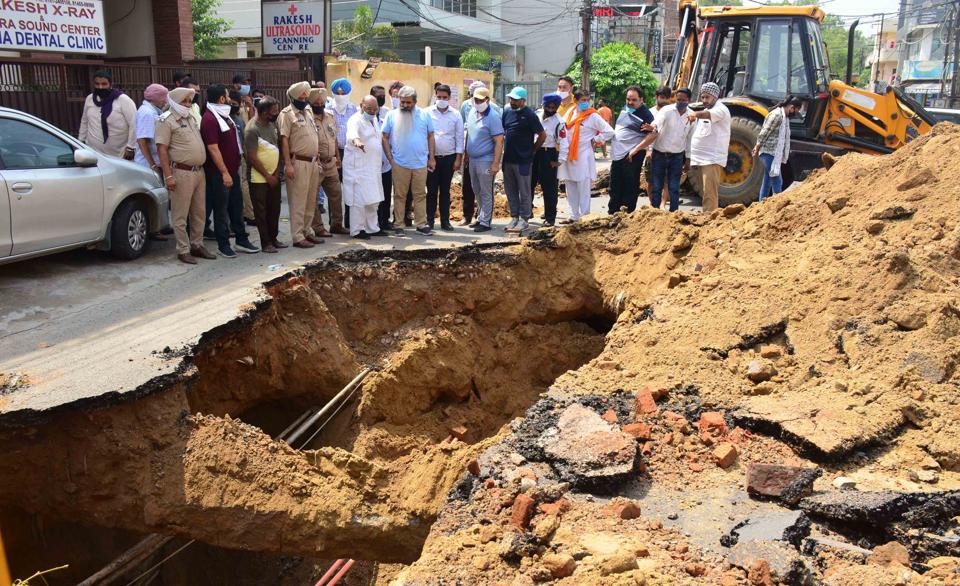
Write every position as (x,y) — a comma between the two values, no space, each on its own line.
(61,26)
(290,28)
(928,70)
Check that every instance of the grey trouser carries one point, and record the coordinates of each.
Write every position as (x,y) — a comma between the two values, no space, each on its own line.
(482,182)
(518,191)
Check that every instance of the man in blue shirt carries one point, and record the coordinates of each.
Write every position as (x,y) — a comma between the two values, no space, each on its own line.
(520,128)
(484,151)
(469,198)
(408,143)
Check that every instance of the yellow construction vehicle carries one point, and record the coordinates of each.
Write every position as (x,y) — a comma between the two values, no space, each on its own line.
(758,56)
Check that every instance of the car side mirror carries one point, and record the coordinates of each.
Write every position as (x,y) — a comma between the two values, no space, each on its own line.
(85,158)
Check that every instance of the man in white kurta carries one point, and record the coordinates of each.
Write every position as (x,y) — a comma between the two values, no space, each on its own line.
(362,161)
(580,169)
(109,121)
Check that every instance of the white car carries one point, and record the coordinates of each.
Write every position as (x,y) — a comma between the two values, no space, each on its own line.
(57,194)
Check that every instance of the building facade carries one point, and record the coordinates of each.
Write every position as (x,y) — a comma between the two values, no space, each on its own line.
(924,67)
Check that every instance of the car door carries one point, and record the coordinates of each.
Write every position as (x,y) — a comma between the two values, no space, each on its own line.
(53,201)
(6,238)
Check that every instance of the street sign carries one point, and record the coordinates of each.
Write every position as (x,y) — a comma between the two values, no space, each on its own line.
(291,28)
(61,26)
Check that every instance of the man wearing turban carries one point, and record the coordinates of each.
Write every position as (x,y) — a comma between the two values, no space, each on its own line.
(299,142)
(710,142)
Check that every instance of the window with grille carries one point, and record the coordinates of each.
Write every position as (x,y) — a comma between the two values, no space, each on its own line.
(462,7)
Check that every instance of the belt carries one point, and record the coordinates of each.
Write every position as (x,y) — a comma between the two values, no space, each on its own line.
(183,167)
(305,159)
(549,148)
(666,154)
(443,156)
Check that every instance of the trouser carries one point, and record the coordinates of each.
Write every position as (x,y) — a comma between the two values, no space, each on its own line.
(482,182)
(364,219)
(413,181)
(187,203)
(438,184)
(467,195)
(330,183)
(266,211)
(383,210)
(248,211)
(769,183)
(546,175)
(516,182)
(226,203)
(666,168)
(710,176)
(625,183)
(302,198)
(346,209)
(578,197)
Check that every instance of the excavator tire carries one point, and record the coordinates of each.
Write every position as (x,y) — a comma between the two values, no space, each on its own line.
(741,179)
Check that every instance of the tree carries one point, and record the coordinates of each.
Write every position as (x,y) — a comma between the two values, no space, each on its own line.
(362,38)
(208,28)
(479,58)
(615,67)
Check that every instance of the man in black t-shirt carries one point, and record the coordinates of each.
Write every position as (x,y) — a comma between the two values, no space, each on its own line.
(521,127)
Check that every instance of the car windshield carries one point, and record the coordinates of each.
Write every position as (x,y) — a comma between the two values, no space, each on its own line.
(24,146)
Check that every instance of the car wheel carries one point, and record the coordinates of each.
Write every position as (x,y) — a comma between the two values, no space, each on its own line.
(128,231)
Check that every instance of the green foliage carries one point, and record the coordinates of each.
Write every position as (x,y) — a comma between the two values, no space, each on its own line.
(480,59)
(208,28)
(615,67)
(362,39)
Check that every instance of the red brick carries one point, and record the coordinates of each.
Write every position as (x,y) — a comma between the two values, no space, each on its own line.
(610,416)
(725,454)
(522,511)
(712,423)
(641,431)
(646,405)
(788,483)
(473,467)
(173,31)
(561,506)
(656,392)
(623,509)
(459,431)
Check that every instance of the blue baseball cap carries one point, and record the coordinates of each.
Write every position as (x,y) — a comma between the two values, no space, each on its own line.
(518,93)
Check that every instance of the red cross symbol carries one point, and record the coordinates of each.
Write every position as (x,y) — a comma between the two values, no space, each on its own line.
(292,10)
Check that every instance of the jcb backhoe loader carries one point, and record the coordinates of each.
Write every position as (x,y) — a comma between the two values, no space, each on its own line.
(758,56)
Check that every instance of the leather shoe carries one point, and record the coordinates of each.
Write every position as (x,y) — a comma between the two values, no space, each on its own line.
(315,239)
(187,259)
(303,244)
(339,230)
(279,244)
(201,252)
(159,237)
(322,233)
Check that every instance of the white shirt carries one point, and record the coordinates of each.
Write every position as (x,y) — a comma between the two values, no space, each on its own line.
(121,126)
(711,138)
(594,128)
(385,166)
(147,116)
(556,134)
(447,130)
(362,184)
(673,130)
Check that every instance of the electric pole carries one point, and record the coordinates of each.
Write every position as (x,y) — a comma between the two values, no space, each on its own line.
(953,100)
(585,64)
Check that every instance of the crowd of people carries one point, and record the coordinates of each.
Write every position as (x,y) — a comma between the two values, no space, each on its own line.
(223,164)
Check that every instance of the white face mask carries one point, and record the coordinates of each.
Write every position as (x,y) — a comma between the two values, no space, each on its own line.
(443,104)
(341,100)
(563,95)
(396,102)
(482,107)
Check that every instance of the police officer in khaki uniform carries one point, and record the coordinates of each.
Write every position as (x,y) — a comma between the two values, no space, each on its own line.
(299,142)
(330,161)
(182,154)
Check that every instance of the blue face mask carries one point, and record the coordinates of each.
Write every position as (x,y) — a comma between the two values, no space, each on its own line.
(244,90)
(368,116)
(681,107)
(629,109)
(583,106)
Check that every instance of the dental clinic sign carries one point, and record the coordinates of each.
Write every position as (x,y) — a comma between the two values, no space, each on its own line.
(62,26)
(293,27)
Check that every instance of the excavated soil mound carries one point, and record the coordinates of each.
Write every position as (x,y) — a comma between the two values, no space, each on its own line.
(817,329)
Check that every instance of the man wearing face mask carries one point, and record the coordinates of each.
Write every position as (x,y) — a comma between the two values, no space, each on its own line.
(584,127)
(710,142)
(565,91)
(222,169)
(663,96)
(671,149)
(468,195)
(448,133)
(625,170)
(362,159)
(379,93)
(195,106)
(109,121)
(343,109)
(484,150)
(154,103)
(300,141)
(261,144)
(394,91)
(523,136)
(548,159)
(408,140)
(330,161)
(236,114)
